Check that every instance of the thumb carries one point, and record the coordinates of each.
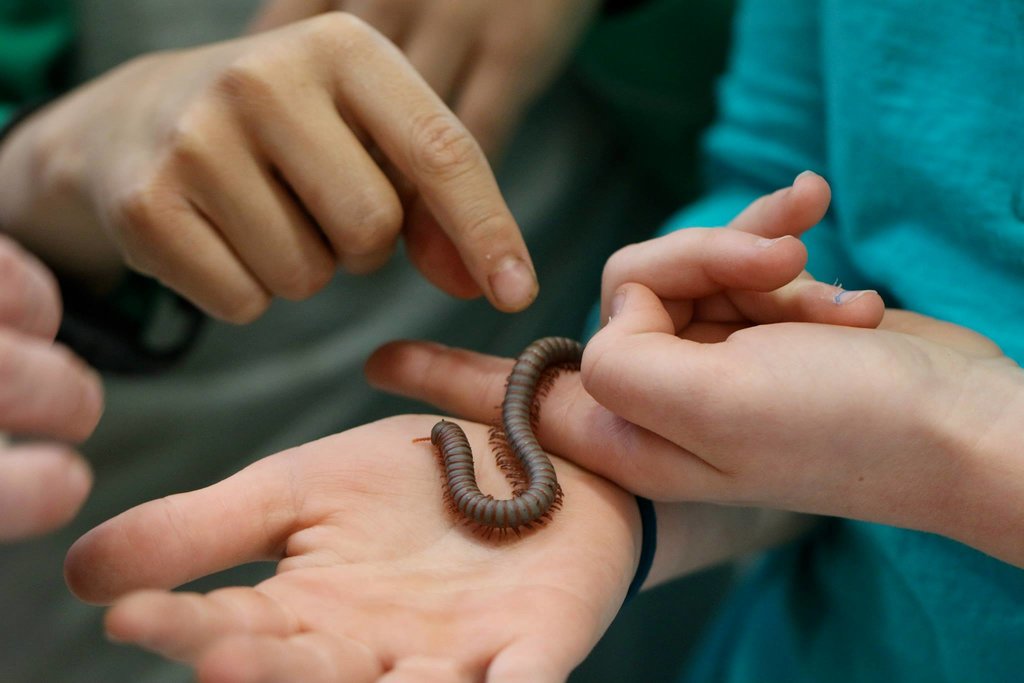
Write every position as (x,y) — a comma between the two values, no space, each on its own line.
(639,370)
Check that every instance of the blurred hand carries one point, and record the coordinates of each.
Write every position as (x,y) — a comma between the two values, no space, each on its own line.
(44,391)
(375,581)
(239,171)
(488,59)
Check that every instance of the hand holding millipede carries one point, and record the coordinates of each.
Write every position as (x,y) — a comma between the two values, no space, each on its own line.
(373,579)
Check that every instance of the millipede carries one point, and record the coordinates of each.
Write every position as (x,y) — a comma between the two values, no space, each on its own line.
(535,489)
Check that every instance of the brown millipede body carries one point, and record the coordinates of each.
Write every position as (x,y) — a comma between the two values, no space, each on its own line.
(535,486)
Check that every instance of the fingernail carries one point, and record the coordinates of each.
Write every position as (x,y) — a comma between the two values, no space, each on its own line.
(765,242)
(803,174)
(849,296)
(616,305)
(513,283)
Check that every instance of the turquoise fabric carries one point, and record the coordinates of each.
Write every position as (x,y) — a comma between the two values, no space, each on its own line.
(915,116)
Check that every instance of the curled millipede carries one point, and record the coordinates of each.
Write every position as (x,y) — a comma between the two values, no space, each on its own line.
(529,464)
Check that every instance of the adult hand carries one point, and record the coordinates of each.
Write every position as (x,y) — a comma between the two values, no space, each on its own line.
(44,391)
(239,170)
(375,581)
(488,59)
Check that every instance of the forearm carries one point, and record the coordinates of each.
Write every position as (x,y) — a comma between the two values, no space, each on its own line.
(694,536)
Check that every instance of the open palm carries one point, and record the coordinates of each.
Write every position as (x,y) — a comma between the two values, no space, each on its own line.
(376,579)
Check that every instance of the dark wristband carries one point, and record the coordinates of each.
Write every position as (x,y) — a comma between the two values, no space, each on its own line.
(648,545)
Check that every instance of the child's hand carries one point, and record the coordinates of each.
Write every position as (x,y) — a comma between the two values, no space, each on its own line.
(681,398)
(917,428)
(375,581)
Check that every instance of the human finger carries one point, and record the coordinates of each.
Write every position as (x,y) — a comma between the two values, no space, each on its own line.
(807,300)
(431,147)
(639,370)
(170,541)
(170,240)
(182,625)
(268,230)
(29,298)
(46,390)
(534,660)
(426,669)
(42,486)
(462,382)
(791,210)
(329,170)
(435,255)
(698,262)
(310,657)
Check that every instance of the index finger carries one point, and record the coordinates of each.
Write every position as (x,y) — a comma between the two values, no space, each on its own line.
(431,147)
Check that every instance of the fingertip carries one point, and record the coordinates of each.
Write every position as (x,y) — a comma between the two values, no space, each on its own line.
(42,487)
(122,623)
(85,568)
(860,308)
(513,285)
(635,308)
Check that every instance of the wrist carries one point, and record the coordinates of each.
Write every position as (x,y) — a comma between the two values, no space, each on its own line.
(43,202)
(985,443)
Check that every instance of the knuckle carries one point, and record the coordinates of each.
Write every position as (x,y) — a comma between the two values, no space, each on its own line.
(136,217)
(245,79)
(303,280)
(442,147)
(484,229)
(376,227)
(187,142)
(243,309)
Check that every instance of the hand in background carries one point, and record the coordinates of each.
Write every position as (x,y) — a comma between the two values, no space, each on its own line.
(44,391)
(239,171)
(487,59)
(375,581)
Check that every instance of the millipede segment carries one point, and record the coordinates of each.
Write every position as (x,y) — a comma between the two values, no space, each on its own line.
(541,493)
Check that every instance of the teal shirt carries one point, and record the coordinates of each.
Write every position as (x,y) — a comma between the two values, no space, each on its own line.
(915,114)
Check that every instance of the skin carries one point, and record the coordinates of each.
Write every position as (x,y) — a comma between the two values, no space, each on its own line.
(253,168)
(683,397)
(376,581)
(45,391)
(487,59)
